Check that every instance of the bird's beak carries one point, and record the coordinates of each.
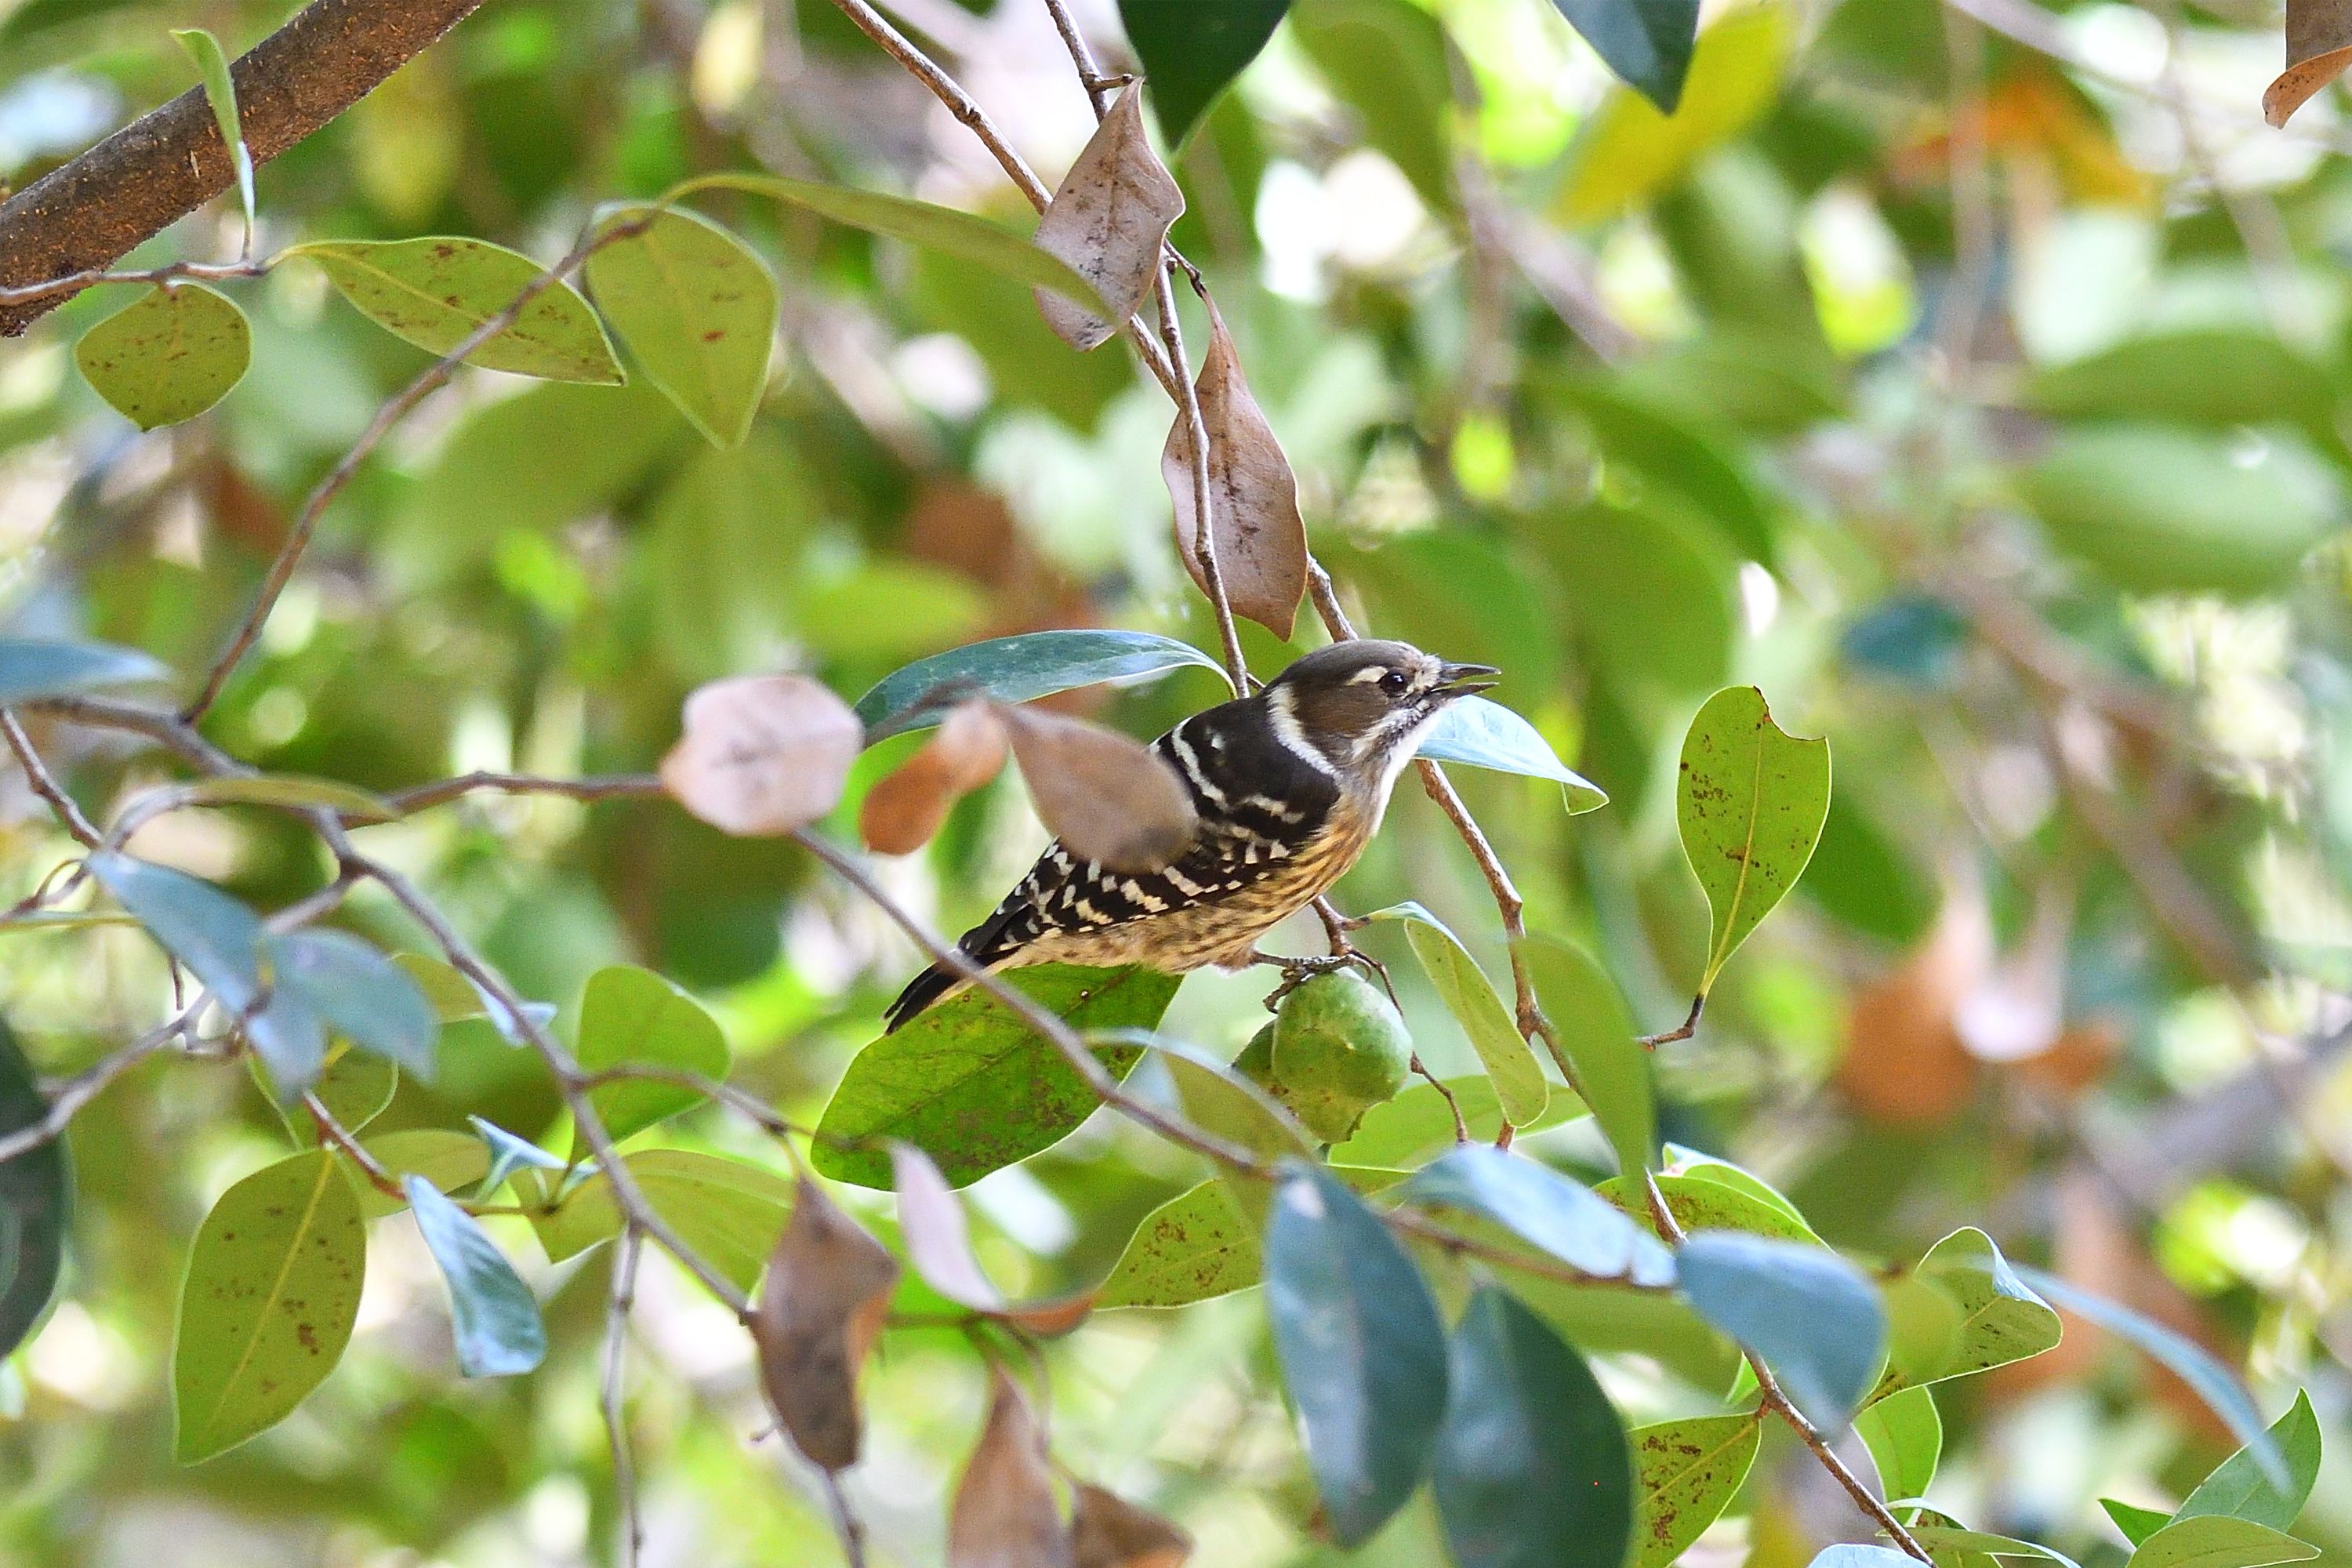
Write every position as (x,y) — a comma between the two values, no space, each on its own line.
(1463,679)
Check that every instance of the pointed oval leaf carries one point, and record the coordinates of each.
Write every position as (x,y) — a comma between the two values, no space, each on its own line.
(729,1212)
(2135,1523)
(1612,1070)
(507,1154)
(1750,803)
(1647,43)
(1478,733)
(220,96)
(1107,221)
(763,753)
(1362,1352)
(433,291)
(1509,1060)
(1418,1125)
(36,1202)
(272,1291)
(1109,799)
(973,1086)
(1699,1205)
(698,308)
(1812,1317)
(819,1311)
(1108,1532)
(447,1159)
(214,935)
(360,994)
(291,791)
(1194,1247)
(2001,1319)
(2217,1541)
(1532,1465)
(354,1088)
(493,1313)
(1544,1209)
(1905,1434)
(1018,669)
(1219,1100)
(30,670)
(1005,1514)
(1192,50)
(169,357)
(2239,1489)
(1685,1473)
(629,1015)
(1259,538)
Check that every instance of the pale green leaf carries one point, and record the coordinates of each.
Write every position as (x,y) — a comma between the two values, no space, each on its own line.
(169,357)
(1750,802)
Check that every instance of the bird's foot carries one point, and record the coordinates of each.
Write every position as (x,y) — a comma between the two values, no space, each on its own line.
(1297,972)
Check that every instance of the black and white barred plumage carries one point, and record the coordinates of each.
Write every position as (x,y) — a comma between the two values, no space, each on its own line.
(1289,785)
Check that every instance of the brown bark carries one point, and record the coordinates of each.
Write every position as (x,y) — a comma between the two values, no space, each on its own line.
(94,210)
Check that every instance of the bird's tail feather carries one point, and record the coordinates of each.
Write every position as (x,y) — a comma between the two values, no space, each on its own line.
(931,985)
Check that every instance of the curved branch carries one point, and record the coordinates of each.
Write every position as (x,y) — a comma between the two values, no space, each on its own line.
(90,212)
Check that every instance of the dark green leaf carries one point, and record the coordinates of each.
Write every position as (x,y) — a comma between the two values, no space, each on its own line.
(1544,1209)
(1616,564)
(2239,1489)
(1812,1317)
(1685,1474)
(36,1202)
(698,308)
(360,994)
(2224,377)
(2217,1541)
(1362,1352)
(1192,48)
(1483,734)
(493,1313)
(30,670)
(1195,1246)
(1646,42)
(973,1086)
(1470,996)
(1532,1468)
(633,1016)
(272,1291)
(2136,1523)
(1905,1434)
(1612,1070)
(1750,805)
(434,292)
(1016,669)
(169,357)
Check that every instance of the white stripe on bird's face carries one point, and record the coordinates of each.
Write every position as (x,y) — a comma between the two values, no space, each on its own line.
(1282,716)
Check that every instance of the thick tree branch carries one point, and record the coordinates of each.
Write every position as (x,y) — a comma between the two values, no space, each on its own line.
(164,165)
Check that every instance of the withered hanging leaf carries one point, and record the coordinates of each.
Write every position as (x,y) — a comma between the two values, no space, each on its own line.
(1005,1515)
(1261,542)
(1108,1532)
(2318,50)
(1106,222)
(763,753)
(828,1285)
(1108,798)
(938,1243)
(902,812)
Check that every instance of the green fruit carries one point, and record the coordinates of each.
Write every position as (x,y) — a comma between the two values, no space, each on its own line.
(1337,1050)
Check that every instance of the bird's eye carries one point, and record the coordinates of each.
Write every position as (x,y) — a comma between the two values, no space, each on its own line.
(1394,682)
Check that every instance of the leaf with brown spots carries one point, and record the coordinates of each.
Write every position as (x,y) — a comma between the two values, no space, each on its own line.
(272,1289)
(169,357)
(1685,1474)
(938,1243)
(1191,1248)
(2318,50)
(827,1288)
(901,813)
(1108,1532)
(763,753)
(697,307)
(1107,221)
(1750,803)
(1109,799)
(1004,1513)
(1253,521)
(434,292)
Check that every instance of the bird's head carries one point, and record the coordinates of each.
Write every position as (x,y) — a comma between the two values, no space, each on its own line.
(1364,705)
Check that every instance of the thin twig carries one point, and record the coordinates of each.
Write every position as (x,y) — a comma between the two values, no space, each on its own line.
(334,1133)
(608,786)
(44,784)
(1683,1031)
(616,1371)
(170,272)
(844,1522)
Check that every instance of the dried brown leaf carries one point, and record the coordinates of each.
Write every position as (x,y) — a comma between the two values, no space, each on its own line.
(2318,50)
(1905,1062)
(1004,1514)
(938,1243)
(1108,1532)
(1108,798)
(1108,222)
(827,1288)
(901,812)
(762,755)
(1261,542)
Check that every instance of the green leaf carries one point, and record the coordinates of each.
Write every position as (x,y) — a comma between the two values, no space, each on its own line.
(1905,1434)
(1532,1465)
(354,1087)
(1685,1473)
(36,1202)
(1016,669)
(1924,1325)
(1388,60)
(698,308)
(1192,50)
(1417,1124)
(31,670)
(2239,1489)
(434,292)
(1699,1204)
(730,1212)
(2001,1320)
(1195,1246)
(1962,1547)
(1608,1319)
(492,1312)
(1483,734)
(290,791)
(2218,1541)
(1616,563)
(1812,1317)
(169,357)
(449,1160)
(220,93)
(2223,377)
(360,994)
(272,1291)
(631,1015)
(959,235)
(1219,1100)
(2214,1384)
(1750,803)
(214,935)
(2159,508)
(1509,1060)
(2136,1523)
(1361,1349)
(1647,43)
(1544,1209)
(973,1086)
(1596,1033)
